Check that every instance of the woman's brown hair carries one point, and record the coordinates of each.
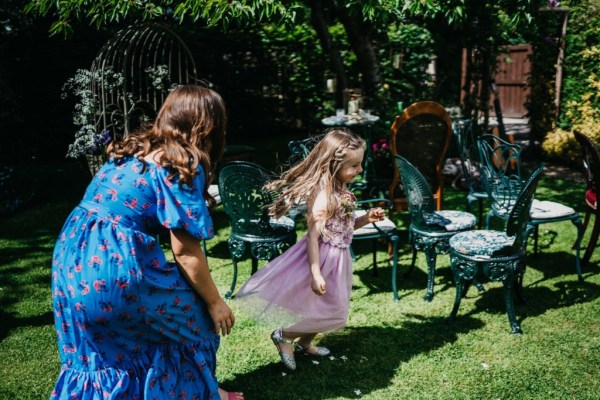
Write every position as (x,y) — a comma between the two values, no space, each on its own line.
(189,130)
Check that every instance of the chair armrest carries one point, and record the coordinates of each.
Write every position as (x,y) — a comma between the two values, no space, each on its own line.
(386,204)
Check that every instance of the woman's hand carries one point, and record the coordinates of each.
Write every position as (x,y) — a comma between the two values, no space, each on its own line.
(318,285)
(222,317)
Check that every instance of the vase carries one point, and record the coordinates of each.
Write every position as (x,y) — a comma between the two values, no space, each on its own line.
(94,162)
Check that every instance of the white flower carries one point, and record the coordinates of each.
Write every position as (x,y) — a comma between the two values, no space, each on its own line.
(283,374)
(357,392)
(485,366)
(315,362)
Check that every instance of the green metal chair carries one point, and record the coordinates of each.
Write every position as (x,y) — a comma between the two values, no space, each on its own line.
(500,255)
(501,175)
(591,164)
(429,230)
(465,135)
(376,231)
(245,201)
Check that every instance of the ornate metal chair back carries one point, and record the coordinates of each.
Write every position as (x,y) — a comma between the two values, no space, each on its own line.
(465,136)
(418,193)
(299,149)
(519,216)
(422,135)
(500,172)
(245,198)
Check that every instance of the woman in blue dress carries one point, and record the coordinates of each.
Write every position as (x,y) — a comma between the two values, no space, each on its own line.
(129,324)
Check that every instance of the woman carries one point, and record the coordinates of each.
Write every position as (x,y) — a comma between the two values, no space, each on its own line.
(131,325)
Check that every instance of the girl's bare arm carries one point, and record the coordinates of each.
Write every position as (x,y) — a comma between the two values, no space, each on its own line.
(315,225)
(373,215)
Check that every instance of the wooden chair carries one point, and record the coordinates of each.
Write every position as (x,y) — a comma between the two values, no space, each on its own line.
(422,135)
(591,163)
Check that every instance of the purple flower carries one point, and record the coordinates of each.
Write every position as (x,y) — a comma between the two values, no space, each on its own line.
(553,3)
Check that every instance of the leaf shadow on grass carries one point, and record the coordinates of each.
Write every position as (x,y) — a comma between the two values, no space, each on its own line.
(538,300)
(557,264)
(10,322)
(373,356)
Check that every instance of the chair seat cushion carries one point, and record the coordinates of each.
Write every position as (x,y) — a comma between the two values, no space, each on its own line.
(549,209)
(386,225)
(590,198)
(480,243)
(213,190)
(459,220)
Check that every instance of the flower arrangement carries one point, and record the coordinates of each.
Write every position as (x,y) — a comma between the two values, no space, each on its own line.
(87,109)
(347,204)
(381,149)
(92,136)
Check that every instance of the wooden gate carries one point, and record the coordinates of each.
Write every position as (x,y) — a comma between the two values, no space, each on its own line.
(514,66)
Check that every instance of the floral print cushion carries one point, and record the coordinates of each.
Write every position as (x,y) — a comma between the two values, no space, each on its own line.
(480,242)
(459,220)
(386,225)
(549,209)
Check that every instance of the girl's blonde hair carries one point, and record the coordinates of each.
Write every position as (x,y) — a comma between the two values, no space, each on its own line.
(189,130)
(316,173)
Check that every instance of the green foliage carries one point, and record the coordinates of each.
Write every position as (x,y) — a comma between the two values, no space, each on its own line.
(580,104)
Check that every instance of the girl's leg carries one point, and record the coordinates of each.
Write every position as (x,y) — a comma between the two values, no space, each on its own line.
(305,342)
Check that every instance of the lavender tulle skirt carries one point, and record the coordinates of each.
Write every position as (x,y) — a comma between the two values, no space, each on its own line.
(279,295)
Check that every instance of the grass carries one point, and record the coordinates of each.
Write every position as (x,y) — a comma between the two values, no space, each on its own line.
(389,350)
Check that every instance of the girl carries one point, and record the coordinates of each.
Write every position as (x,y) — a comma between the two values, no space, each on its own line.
(308,287)
(129,324)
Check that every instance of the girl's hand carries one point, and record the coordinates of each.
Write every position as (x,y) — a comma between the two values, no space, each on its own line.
(375,214)
(318,285)
(222,317)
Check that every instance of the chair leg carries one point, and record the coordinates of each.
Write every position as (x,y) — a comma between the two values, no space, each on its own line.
(586,219)
(591,246)
(577,223)
(508,302)
(431,259)
(375,272)
(458,282)
(394,242)
(535,239)
(254,265)
(488,219)
(233,281)
(412,263)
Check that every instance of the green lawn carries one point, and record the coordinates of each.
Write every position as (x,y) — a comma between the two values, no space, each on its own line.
(389,350)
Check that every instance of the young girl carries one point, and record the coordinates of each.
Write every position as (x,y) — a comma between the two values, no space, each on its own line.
(308,287)
(129,324)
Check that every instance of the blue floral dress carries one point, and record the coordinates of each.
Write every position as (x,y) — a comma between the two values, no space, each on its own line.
(128,324)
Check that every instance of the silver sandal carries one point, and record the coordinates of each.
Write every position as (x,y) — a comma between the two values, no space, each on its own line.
(288,359)
(321,351)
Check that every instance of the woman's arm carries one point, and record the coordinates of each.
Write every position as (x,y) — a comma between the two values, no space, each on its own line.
(192,262)
(315,225)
